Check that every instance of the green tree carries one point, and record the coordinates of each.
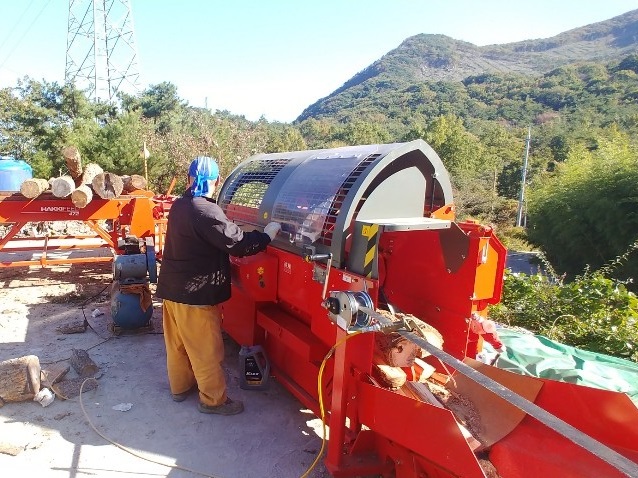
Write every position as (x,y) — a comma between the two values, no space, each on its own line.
(587,212)
(160,103)
(459,150)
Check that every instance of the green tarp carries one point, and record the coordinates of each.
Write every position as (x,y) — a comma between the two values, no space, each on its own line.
(538,356)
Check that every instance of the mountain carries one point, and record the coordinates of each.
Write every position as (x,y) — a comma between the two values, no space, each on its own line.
(432,58)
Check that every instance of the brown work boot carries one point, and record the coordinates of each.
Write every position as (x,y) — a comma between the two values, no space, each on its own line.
(180,397)
(229,407)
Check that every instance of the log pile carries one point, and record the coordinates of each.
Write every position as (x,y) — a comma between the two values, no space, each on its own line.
(32,188)
(83,183)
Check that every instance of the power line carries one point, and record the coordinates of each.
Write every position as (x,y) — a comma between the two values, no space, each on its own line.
(25,33)
(15,25)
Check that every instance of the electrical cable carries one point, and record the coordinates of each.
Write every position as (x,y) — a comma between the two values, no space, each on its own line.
(321,405)
(86,416)
(15,24)
(133,452)
(25,33)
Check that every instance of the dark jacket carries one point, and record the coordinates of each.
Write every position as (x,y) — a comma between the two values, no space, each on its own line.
(195,267)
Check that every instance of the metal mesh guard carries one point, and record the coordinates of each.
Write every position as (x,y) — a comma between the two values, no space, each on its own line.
(308,203)
(246,192)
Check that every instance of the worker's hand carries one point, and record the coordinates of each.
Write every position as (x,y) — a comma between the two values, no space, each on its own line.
(272,228)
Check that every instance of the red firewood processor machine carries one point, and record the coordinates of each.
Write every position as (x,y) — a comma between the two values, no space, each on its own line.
(371,229)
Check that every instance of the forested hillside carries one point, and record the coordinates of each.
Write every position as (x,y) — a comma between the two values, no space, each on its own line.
(428,59)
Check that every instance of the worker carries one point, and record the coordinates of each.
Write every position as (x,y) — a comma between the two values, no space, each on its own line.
(194,278)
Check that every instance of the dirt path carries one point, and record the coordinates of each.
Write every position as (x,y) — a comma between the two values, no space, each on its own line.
(274,437)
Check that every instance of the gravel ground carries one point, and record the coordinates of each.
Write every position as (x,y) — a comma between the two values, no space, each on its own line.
(132,406)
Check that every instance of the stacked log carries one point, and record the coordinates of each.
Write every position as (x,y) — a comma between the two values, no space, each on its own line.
(32,188)
(90,171)
(73,161)
(63,186)
(107,185)
(133,182)
(81,196)
(83,193)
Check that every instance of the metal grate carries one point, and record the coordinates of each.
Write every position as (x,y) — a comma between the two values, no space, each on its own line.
(245,193)
(331,218)
(309,203)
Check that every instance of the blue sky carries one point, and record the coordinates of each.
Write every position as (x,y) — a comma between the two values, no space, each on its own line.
(274,58)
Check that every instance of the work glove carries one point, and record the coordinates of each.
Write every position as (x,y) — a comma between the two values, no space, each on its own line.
(272,228)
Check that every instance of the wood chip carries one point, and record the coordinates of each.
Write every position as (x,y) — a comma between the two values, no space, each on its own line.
(10,449)
(70,388)
(53,374)
(77,327)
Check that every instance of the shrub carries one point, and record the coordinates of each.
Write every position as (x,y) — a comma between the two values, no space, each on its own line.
(592,312)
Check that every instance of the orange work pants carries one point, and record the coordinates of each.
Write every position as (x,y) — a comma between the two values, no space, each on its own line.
(194,350)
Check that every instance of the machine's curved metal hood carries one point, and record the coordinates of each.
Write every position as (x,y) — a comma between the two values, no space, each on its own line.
(316,195)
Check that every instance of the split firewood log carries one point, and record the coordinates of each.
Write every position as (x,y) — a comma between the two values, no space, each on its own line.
(387,375)
(73,161)
(19,379)
(53,374)
(32,188)
(107,185)
(90,171)
(81,196)
(399,351)
(133,182)
(63,186)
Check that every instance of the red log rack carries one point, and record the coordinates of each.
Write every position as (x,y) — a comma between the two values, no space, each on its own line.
(140,214)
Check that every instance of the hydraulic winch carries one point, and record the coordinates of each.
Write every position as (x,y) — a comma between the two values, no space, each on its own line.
(133,270)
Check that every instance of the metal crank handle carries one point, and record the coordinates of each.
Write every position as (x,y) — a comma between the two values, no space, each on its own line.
(317,257)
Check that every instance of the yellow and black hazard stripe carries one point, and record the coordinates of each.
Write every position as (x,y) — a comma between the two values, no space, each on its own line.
(371,232)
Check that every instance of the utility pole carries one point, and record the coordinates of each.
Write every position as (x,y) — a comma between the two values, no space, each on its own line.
(101,57)
(521,199)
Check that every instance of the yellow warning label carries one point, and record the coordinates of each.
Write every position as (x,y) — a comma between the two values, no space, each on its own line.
(370,231)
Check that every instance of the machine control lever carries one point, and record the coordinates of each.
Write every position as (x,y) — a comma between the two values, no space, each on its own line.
(322,257)
(317,257)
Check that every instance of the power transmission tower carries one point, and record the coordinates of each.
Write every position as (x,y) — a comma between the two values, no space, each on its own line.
(101,57)
(520,216)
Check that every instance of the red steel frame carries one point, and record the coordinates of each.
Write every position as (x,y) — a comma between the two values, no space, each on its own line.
(139,214)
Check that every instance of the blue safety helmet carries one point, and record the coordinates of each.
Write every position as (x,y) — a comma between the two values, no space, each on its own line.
(204,170)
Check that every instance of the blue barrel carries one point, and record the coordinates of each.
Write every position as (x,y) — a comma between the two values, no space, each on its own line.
(12,173)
